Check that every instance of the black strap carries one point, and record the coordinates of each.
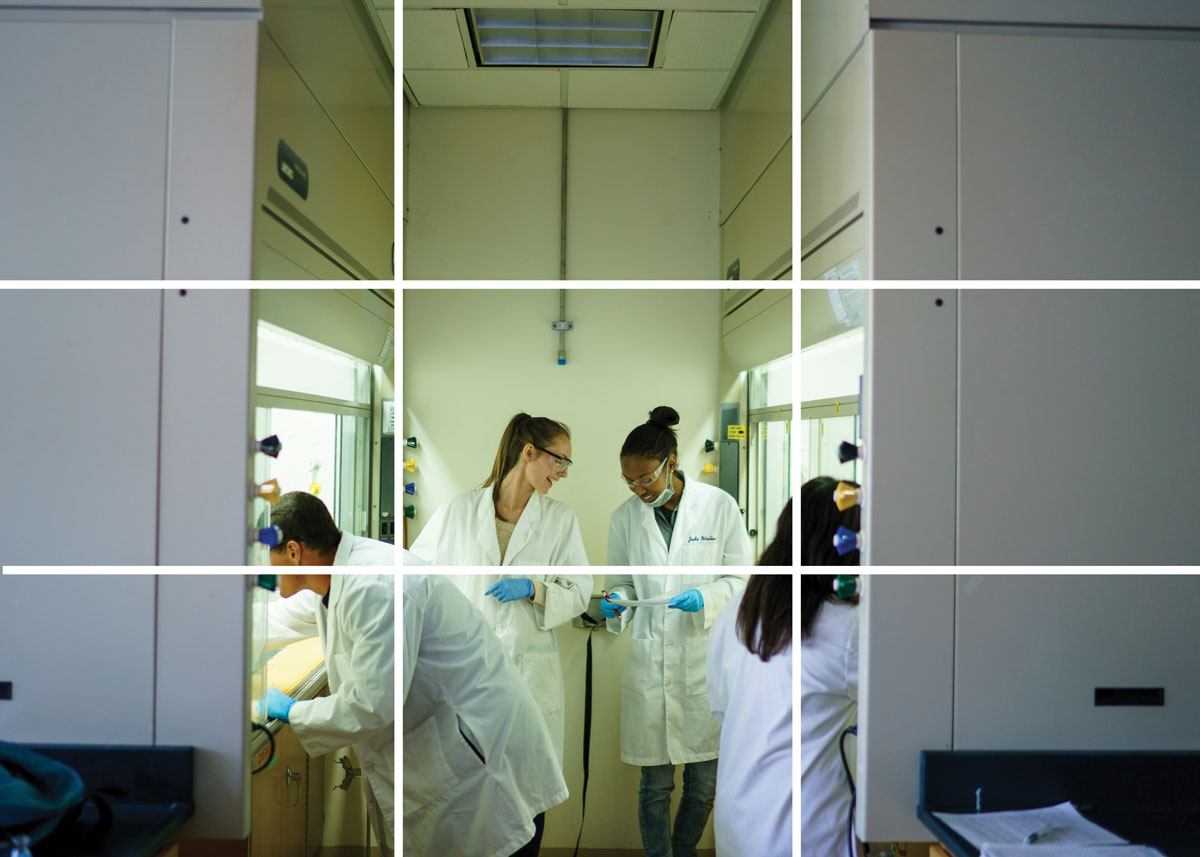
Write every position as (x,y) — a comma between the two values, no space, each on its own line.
(587,739)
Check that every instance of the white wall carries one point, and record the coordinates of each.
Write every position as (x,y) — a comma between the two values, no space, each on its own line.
(484,194)
(473,359)
(642,197)
(756,153)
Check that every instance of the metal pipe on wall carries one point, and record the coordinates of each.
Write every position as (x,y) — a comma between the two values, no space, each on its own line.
(562,241)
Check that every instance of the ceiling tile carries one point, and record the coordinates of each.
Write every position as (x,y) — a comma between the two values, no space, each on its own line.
(497,87)
(432,40)
(644,88)
(706,40)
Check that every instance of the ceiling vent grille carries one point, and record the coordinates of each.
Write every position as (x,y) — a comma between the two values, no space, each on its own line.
(614,38)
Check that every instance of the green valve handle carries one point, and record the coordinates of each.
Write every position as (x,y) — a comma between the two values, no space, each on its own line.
(410,512)
(267,581)
(845,586)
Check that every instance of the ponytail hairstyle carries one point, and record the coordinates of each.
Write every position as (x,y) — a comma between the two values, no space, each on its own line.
(654,439)
(764,619)
(523,429)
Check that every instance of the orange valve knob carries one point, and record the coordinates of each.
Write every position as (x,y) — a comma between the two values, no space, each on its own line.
(846,496)
(269,491)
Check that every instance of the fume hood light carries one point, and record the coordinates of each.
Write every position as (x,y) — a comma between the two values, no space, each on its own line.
(846,496)
(848,452)
(269,491)
(846,540)
(558,37)
(270,446)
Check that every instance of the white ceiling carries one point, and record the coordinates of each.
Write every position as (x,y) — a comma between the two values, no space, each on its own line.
(699,47)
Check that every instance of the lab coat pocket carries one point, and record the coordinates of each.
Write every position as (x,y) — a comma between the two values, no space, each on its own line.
(695,665)
(701,553)
(637,667)
(428,780)
(542,673)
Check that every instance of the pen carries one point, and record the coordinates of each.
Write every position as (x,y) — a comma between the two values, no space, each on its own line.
(1038,834)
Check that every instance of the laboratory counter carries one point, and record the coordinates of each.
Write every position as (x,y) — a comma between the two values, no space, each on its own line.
(1148,798)
(152,794)
(299,671)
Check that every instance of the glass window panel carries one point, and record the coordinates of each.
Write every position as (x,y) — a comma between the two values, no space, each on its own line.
(771,385)
(576,19)
(614,37)
(774,476)
(288,361)
(561,56)
(506,38)
(612,19)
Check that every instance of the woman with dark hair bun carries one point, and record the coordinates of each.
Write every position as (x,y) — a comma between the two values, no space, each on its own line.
(671,520)
(509,519)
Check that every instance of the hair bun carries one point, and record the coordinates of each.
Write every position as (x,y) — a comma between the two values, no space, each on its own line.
(664,415)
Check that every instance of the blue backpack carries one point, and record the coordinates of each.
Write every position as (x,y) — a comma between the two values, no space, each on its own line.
(36,793)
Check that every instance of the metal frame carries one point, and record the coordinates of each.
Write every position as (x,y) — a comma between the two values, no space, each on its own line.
(822,408)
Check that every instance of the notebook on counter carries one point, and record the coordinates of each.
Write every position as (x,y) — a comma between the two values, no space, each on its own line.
(1010,828)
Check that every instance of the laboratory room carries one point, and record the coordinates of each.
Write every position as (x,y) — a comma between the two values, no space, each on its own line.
(999,715)
(1017,417)
(997,140)
(211,715)
(173,140)
(597,716)
(602,426)
(210,426)
(606,140)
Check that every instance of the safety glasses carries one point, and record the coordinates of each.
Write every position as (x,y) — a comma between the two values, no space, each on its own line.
(561,463)
(644,481)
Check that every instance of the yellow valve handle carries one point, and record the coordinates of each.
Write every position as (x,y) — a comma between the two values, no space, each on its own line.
(314,488)
(269,491)
(708,468)
(411,465)
(846,496)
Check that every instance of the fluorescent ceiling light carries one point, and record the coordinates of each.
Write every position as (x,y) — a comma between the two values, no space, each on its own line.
(564,37)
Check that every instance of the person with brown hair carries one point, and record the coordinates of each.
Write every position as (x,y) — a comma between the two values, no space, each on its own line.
(509,519)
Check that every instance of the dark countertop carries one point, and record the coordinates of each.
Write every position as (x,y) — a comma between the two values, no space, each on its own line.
(156,783)
(1148,798)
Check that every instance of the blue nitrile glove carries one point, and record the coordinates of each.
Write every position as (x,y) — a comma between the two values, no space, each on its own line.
(512,589)
(689,602)
(611,611)
(279,704)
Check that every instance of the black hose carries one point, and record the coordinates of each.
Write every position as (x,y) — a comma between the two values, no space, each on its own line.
(271,755)
(849,730)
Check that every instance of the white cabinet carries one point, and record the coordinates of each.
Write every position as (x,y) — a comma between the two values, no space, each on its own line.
(1013,140)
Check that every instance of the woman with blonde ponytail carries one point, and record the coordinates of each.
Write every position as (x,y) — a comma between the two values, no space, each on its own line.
(509,519)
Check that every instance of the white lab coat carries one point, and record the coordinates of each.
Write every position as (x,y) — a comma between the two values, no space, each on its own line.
(526,632)
(708,531)
(828,704)
(665,718)
(463,532)
(460,687)
(357,550)
(752,701)
(358,638)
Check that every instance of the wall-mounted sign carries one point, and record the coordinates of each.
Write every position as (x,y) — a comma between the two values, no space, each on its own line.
(292,170)
(736,433)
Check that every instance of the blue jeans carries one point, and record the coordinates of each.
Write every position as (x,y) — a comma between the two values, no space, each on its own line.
(695,804)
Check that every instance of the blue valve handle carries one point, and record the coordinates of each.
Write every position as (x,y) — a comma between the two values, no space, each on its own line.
(846,540)
(410,487)
(270,536)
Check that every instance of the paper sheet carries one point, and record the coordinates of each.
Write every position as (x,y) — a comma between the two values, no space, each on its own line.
(1037,850)
(1011,828)
(646,602)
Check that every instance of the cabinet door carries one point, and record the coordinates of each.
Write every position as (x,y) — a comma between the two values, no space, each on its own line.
(1077,157)
(83,154)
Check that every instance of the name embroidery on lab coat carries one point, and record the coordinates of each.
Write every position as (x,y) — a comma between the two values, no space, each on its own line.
(701,539)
